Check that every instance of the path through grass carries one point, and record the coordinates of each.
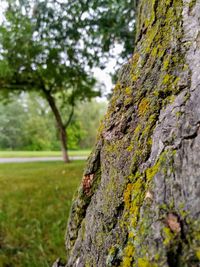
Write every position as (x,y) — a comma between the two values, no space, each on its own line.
(27,154)
(35,200)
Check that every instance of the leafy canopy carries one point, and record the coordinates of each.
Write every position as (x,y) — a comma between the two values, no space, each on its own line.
(54,44)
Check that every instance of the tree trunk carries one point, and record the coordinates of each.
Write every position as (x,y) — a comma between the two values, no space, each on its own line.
(60,125)
(63,139)
(139,201)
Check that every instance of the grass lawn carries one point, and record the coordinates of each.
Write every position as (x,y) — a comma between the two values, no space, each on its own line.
(35,200)
(24,154)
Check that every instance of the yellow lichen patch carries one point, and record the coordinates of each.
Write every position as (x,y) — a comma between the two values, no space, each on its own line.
(87,264)
(135,77)
(138,195)
(135,70)
(131,235)
(143,107)
(128,101)
(128,96)
(137,129)
(152,171)
(154,51)
(137,186)
(130,148)
(128,256)
(129,250)
(135,215)
(136,135)
(127,195)
(126,262)
(175,82)
(150,36)
(128,91)
(117,87)
(145,263)
(171,99)
(168,236)
(166,79)
(166,62)
(198,254)
(135,59)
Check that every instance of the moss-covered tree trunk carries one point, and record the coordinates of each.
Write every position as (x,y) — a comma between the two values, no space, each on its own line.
(139,202)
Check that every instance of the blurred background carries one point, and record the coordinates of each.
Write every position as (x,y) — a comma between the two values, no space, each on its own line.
(58,65)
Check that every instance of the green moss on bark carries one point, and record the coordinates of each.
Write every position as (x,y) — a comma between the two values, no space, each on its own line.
(147,84)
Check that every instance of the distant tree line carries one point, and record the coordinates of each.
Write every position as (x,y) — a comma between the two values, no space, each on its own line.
(28,124)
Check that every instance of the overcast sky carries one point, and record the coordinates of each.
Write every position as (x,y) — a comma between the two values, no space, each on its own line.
(103,75)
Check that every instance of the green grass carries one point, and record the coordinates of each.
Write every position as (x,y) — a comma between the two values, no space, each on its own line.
(35,200)
(18,154)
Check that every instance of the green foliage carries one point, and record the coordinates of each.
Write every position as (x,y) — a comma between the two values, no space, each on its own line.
(88,116)
(51,47)
(34,206)
(112,22)
(28,124)
(55,44)
(11,130)
(41,49)
(25,126)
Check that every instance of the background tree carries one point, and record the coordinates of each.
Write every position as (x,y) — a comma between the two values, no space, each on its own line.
(39,55)
(51,46)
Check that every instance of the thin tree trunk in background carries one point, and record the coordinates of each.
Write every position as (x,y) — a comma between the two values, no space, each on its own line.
(139,201)
(60,125)
(63,138)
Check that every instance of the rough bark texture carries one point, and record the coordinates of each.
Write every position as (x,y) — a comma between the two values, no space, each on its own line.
(139,202)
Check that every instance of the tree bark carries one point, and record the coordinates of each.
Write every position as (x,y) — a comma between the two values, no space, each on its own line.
(139,200)
(60,125)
